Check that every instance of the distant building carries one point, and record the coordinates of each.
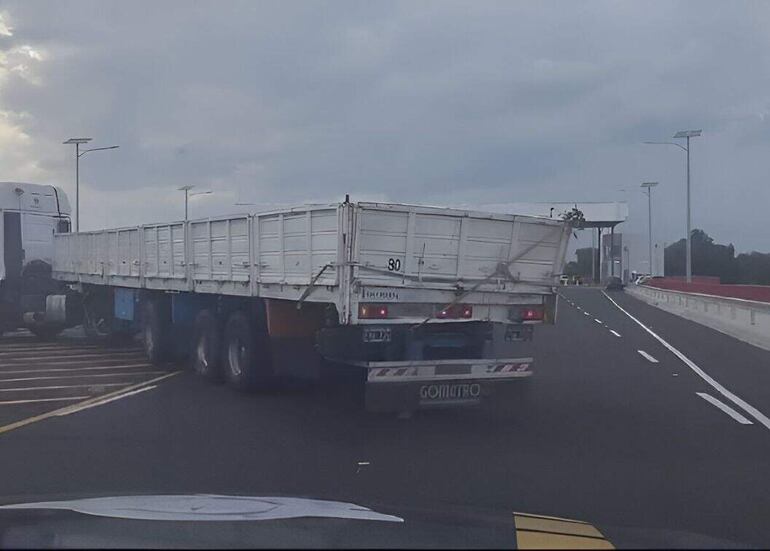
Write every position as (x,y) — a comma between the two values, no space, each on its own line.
(613,257)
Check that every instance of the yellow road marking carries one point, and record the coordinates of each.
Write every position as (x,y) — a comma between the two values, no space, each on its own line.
(540,540)
(77,407)
(544,532)
(557,526)
(56,412)
(519,514)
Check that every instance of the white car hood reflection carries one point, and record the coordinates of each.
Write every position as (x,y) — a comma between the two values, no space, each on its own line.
(207,507)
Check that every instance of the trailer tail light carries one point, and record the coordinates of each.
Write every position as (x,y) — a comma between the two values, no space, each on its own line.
(372,311)
(531,313)
(456,311)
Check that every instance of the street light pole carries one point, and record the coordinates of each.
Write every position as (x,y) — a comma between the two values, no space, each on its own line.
(688,134)
(685,134)
(78,154)
(187,196)
(648,186)
(77,142)
(186,190)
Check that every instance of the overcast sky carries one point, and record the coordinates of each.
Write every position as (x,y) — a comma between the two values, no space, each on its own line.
(435,102)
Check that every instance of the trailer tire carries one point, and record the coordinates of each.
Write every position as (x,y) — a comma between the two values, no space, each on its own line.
(247,363)
(206,353)
(156,327)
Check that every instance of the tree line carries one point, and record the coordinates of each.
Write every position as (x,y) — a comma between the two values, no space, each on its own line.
(708,259)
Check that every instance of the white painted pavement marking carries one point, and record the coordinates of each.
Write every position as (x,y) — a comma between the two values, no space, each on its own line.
(587,313)
(70,369)
(76,407)
(63,411)
(68,399)
(65,357)
(89,363)
(724,407)
(88,375)
(751,410)
(7,348)
(614,332)
(598,320)
(58,387)
(647,357)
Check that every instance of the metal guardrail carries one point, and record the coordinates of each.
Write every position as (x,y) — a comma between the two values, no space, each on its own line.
(746,320)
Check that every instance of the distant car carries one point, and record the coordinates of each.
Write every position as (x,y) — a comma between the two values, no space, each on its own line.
(564,280)
(614,284)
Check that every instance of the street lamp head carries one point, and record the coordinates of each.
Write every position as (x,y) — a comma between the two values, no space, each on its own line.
(649,184)
(77,140)
(188,187)
(688,134)
(201,193)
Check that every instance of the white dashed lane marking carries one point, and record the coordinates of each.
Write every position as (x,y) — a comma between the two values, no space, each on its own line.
(647,357)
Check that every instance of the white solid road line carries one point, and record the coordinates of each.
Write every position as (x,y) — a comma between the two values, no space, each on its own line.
(724,407)
(68,399)
(647,357)
(614,333)
(76,408)
(748,408)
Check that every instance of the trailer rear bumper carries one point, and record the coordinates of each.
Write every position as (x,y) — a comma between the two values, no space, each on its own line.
(410,385)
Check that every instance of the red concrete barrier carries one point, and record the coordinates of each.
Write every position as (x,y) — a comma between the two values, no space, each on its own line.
(760,293)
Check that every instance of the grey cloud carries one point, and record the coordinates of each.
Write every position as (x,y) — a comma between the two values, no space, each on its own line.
(415,101)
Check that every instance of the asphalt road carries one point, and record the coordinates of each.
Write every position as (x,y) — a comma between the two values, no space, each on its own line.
(615,429)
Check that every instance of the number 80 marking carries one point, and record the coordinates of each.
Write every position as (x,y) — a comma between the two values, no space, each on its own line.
(394,264)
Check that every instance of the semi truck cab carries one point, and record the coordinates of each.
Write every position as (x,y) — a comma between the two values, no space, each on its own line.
(30,215)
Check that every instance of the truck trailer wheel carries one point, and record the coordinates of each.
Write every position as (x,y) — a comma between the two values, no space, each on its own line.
(247,363)
(156,329)
(206,354)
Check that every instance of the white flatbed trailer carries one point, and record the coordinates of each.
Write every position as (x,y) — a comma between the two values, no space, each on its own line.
(434,304)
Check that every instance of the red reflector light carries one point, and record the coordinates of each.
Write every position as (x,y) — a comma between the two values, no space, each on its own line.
(456,311)
(531,313)
(372,311)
